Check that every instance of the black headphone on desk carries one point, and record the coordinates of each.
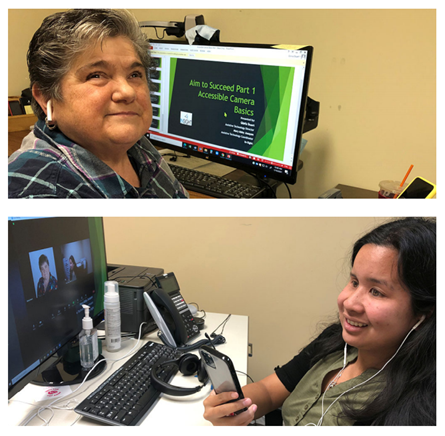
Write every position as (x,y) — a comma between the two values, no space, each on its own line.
(188,364)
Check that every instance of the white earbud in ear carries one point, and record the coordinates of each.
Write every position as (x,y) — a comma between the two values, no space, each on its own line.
(49,111)
(50,123)
(419,322)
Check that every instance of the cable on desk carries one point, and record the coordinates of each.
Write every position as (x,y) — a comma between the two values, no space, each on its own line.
(199,310)
(49,406)
(218,339)
(213,334)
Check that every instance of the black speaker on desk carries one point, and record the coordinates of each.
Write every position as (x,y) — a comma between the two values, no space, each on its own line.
(133,282)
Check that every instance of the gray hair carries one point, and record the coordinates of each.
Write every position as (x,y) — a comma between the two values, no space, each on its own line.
(63,36)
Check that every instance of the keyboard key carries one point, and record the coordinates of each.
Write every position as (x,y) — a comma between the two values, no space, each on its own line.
(120,415)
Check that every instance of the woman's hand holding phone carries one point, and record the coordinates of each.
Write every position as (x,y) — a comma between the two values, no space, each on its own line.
(219,411)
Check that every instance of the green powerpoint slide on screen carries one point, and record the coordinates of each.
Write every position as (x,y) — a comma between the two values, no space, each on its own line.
(238,106)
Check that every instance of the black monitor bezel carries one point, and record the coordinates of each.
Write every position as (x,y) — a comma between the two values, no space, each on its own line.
(55,356)
(290,178)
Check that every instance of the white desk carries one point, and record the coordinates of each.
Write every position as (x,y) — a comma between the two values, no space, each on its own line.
(171,411)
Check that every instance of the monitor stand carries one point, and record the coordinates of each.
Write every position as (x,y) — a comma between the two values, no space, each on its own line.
(66,369)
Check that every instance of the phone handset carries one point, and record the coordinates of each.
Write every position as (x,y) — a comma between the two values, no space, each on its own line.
(164,332)
(169,304)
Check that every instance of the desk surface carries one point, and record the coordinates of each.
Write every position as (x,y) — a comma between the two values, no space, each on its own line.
(353,192)
(183,411)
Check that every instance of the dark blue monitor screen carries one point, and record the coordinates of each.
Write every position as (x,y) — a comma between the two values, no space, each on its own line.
(55,266)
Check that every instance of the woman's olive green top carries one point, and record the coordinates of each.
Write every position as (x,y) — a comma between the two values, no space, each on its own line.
(306,405)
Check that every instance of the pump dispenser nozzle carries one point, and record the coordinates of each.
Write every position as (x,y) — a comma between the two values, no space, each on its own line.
(111,291)
(87,322)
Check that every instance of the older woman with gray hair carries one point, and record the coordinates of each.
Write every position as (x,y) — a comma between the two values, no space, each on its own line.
(89,73)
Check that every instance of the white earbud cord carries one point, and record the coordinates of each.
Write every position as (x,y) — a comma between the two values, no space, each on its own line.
(320,422)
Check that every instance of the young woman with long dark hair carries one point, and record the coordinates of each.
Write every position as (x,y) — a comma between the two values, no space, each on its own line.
(377,364)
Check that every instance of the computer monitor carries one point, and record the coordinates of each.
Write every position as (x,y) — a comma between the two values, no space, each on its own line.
(241,105)
(55,265)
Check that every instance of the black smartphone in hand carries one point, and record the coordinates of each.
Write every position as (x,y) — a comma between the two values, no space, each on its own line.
(221,372)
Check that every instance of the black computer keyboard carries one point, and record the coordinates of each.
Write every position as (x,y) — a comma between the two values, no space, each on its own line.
(127,396)
(214,186)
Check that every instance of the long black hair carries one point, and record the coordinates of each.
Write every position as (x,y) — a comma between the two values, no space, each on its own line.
(74,270)
(409,395)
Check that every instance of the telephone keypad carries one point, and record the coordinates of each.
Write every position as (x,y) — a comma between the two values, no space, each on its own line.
(189,321)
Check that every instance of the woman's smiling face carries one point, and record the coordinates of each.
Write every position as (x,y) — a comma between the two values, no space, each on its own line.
(375,309)
(106,98)
(44,270)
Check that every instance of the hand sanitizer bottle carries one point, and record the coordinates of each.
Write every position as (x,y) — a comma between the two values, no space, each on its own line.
(88,345)
(112,316)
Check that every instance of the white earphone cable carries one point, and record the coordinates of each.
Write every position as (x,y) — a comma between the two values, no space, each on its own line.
(320,421)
